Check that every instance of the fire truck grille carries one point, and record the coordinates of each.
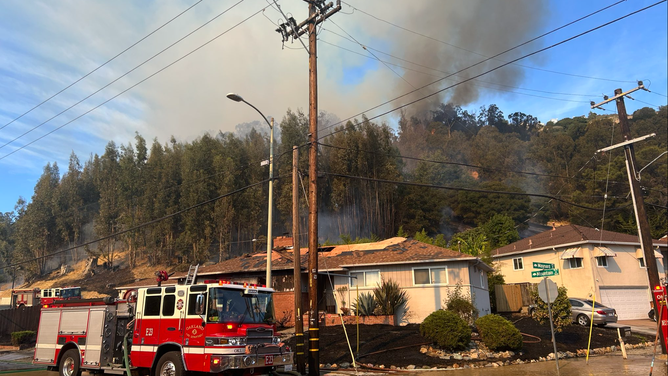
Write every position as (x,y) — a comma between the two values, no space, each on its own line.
(258,336)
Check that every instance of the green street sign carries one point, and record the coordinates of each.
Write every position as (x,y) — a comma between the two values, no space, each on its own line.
(545,273)
(543,265)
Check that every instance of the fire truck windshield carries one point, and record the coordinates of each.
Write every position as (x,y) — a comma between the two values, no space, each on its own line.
(70,293)
(232,306)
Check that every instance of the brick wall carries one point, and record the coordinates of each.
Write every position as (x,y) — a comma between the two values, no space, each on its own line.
(333,320)
(284,305)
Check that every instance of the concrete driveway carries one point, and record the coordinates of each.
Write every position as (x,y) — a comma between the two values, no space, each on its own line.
(643,326)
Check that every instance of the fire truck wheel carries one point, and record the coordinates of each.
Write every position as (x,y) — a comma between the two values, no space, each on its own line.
(69,363)
(170,365)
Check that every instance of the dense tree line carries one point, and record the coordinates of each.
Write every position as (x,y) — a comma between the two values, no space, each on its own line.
(463,153)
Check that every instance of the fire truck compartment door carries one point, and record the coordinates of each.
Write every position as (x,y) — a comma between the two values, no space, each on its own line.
(94,337)
(74,322)
(45,349)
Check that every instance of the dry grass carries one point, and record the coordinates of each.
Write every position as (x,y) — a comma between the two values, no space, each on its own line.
(103,283)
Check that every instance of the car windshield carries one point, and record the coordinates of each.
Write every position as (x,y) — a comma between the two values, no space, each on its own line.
(596,305)
(233,306)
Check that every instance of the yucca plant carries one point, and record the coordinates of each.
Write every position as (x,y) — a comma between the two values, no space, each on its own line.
(365,305)
(389,297)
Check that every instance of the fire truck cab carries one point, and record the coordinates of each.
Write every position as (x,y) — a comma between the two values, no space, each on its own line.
(55,293)
(215,327)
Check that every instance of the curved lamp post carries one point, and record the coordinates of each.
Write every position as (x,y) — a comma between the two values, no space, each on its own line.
(270,240)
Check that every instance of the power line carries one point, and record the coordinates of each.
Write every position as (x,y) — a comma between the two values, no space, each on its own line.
(649,104)
(473,166)
(140,225)
(367,47)
(523,66)
(422,185)
(101,65)
(376,57)
(121,76)
(137,84)
(187,182)
(488,71)
(475,84)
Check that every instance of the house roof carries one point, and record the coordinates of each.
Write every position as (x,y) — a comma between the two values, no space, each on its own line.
(395,250)
(569,234)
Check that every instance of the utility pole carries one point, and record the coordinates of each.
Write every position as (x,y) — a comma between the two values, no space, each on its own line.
(642,222)
(318,13)
(299,326)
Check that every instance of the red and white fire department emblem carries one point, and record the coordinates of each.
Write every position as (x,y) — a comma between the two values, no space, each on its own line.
(194,331)
(179,304)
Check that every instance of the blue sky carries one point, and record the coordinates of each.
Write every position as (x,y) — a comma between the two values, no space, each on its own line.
(45,46)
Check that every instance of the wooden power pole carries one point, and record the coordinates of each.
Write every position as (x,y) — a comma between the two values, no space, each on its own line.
(299,325)
(642,222)
(318,13)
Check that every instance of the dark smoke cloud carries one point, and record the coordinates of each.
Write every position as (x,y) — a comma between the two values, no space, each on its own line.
(485,27)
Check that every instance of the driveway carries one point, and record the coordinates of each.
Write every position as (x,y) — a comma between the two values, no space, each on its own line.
(644,326)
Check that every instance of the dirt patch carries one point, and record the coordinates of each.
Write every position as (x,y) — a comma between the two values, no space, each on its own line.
(400,345)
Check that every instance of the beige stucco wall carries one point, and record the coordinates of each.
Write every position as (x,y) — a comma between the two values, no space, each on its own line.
(423,299)
(623,270)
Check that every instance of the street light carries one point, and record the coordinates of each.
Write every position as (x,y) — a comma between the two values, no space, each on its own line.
(270,241)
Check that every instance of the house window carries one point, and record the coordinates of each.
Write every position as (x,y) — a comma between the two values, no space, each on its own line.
(518,264)
(430,276)
(642,262)
(574,263)
(602,261)
(365,278)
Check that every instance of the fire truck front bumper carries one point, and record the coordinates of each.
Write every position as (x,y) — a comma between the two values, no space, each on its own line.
(220,363)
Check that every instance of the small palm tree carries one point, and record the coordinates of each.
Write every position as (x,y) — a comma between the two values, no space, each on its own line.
(365,305)
(389,297)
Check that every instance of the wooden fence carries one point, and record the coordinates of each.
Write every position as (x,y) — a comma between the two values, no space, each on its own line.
(19,319)
(512,297)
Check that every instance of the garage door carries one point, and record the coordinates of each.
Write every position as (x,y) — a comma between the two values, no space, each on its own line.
(630,303)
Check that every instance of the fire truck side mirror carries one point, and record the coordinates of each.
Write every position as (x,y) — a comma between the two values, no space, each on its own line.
(199,306)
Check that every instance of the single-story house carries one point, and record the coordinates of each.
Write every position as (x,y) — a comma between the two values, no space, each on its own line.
(590,263)
(427,273)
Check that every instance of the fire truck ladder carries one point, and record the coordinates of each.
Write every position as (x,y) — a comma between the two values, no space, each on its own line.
(192,274)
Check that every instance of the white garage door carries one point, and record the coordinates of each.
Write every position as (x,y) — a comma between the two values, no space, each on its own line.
(631,303)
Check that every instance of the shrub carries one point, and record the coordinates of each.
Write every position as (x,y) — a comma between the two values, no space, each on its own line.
(461,305)
(19,338)
(561,309)
(365,305)
(389,297)
(446,329)
(497,333)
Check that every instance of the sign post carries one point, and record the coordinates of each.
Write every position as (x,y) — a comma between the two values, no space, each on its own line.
(548,291)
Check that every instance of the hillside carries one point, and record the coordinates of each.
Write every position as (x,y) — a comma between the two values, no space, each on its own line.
(100,284)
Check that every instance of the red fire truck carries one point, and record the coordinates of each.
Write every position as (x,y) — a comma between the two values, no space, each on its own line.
(214,327)
(66,293)
(25,297)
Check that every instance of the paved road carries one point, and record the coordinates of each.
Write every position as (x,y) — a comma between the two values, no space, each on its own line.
(638,363)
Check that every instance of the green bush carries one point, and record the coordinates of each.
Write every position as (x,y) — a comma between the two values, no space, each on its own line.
(461,305)
(365,305)
(497,333)
(447,330)
(389,297)
(19,338)
(561,309)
